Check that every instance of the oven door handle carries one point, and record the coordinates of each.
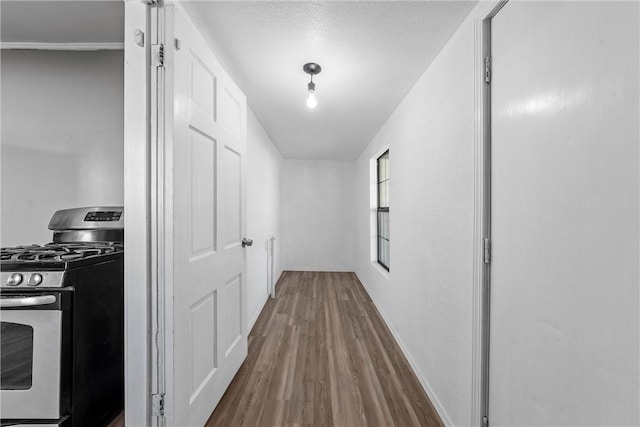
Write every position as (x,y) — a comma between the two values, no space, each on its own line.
(10,302)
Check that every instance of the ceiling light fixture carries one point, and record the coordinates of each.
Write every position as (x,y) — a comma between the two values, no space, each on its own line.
(311,68)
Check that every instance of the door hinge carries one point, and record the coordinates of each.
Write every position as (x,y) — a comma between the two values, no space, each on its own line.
(485,421)
(157,55)
(157,405)
(487,250)
(487,69)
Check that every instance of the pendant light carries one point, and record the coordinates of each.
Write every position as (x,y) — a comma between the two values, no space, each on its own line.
(311,68)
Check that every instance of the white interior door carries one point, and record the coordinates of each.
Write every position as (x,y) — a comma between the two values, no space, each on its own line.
(209,280)
(564,206)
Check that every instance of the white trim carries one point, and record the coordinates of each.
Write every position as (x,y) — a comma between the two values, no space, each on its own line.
(61,46)
(137,221)
(478,225)
(320,269)
(478,221)
(484,11)
(165,186)
(414,367)
(384,273)
(161,234)
(380,152)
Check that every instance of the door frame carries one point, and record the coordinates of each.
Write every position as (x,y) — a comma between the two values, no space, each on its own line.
(149,234)
(143,135)
(482,214)
(161,256)
(481,349)
(136,192)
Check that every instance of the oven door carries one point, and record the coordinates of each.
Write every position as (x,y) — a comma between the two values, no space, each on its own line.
(31,355)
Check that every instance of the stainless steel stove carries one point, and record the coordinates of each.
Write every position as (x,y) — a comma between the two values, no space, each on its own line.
(62,323)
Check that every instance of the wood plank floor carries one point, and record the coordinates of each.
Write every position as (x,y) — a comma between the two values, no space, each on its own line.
(321,355)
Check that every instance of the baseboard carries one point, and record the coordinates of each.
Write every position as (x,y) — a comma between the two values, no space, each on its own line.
(321,269)
(423,381)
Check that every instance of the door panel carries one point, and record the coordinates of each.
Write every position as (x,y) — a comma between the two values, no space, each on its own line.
(233,184)
(564,206)
(203,343)
(203,87)
(233,309)
(209,337)
(202,192)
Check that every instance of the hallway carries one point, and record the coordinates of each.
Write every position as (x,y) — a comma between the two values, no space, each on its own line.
(446,193)
(320,354)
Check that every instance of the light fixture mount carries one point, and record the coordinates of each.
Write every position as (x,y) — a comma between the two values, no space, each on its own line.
(311,68)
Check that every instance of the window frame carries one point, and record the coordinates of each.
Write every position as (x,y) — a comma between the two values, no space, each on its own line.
(381,211)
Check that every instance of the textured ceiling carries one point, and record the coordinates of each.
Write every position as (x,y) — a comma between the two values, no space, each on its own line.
(62,21)
(371,54)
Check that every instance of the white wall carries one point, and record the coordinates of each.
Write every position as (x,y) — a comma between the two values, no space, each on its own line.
(62,137)
(426,299)
(264,164)
(317,224)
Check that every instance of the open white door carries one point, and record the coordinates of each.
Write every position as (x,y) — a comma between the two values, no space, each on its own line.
(209,339)
(564,206)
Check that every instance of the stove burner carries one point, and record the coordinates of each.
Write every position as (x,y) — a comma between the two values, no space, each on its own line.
(56,252)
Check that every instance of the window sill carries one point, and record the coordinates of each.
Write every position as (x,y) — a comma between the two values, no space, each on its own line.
(381,270)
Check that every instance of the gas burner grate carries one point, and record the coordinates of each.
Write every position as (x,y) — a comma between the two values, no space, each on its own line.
(56,252)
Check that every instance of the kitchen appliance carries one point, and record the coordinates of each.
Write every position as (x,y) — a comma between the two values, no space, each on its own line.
(62,323)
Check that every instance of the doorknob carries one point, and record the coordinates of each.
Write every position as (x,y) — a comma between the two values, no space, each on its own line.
(246,242)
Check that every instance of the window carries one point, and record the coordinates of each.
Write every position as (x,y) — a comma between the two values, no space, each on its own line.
(17,356)
(383,210)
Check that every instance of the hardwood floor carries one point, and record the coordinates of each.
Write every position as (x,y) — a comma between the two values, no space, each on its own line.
(321,355)
(118,421)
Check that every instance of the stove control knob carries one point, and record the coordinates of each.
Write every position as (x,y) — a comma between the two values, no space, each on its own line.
(15,279)
(35,279)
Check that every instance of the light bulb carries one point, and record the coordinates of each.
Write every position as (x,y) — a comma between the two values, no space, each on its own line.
(311,100)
